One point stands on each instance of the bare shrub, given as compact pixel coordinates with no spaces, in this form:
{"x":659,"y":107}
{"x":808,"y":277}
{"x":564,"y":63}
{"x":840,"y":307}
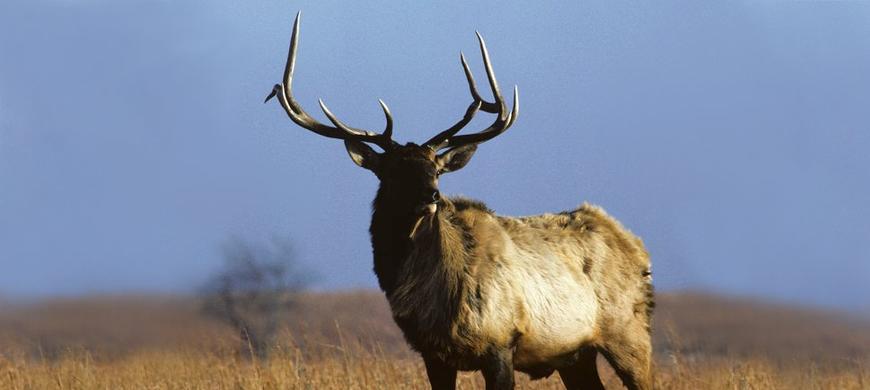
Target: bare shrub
{"x":254,"y":291}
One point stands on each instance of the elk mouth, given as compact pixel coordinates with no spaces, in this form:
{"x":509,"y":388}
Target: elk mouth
{"x":425,"y":212}
{"x":427,"y":209}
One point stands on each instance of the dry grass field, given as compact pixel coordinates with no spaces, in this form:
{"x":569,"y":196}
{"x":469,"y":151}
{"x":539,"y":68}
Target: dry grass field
{"x":347,"y":341}
{"x":366,"y":369}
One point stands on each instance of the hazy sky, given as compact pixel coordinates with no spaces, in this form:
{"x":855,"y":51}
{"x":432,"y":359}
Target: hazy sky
{"x":734,"y":137}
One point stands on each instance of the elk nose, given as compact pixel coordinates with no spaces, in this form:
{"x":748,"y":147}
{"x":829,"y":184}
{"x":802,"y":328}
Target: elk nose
{"x":436,"y":196}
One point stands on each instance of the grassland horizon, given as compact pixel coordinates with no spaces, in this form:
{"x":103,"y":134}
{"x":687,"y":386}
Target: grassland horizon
{"x":348,"y":340}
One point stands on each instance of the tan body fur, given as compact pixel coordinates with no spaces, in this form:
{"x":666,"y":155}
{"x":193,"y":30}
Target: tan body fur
{"x":543,"y":286}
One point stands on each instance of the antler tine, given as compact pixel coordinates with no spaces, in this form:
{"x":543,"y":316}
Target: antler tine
{"x":388,"y":131}
{"x":301,"y":118}
{"x":498,"y":106}
{"x":472,"y":86}
{"x":515,"y":110}
{"x":291,"y":54}
{"x":332,"y":118}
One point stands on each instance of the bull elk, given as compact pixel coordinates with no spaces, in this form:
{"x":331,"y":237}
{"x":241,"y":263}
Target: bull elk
{"x":473,"y":290}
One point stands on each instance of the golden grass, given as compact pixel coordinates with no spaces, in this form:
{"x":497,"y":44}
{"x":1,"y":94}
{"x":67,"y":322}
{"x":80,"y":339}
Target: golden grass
{"x":338,"y":367}
{"x":124,"y":342}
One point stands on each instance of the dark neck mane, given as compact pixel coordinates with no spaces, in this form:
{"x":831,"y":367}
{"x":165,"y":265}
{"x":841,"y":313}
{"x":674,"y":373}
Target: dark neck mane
{"x":390,"y":243}
{"x":446,"y":235}
{"x":423,"y":279}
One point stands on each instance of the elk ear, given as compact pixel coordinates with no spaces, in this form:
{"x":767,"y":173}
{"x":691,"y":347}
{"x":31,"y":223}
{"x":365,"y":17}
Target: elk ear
{"x":362,"y":154}
{"x":456,"y":158}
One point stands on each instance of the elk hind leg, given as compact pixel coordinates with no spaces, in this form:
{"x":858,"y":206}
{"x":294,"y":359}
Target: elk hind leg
{"x":630,"y":355}
{"x":584,"y":373}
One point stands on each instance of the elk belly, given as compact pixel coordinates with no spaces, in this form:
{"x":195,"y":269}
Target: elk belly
{"x":560,"y":309}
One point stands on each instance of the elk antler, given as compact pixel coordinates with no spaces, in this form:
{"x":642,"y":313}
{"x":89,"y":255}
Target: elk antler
{"x":301,"y":118}
{"x":503,"y":121}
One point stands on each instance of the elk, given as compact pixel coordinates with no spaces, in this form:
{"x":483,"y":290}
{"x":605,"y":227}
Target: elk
{"x":472,"y":290}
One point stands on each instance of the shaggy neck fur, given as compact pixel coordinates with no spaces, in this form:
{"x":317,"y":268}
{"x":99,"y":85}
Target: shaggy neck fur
{"x":422,"y":277}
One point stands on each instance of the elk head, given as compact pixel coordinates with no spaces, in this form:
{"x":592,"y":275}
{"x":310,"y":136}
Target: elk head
{"x":408,"y":173}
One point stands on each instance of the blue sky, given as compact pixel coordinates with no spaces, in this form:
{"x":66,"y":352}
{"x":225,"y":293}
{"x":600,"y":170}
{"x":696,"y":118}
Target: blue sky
{"x":732,"y":136}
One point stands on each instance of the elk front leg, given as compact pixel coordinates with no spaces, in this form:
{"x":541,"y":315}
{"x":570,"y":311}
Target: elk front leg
{"x":441,"y":376}
{"x":498,"y":371}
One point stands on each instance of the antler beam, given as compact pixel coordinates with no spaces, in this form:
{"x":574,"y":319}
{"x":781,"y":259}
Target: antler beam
{"x":300,"y":117}
{"x":504,"y":119}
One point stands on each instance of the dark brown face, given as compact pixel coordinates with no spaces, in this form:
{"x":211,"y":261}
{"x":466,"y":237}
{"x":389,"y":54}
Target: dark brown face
{"x":409,"y":174}
{"x":409,"y":179}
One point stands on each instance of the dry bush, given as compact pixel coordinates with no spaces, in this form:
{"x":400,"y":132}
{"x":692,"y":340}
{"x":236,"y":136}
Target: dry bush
{"x":254,"y":291}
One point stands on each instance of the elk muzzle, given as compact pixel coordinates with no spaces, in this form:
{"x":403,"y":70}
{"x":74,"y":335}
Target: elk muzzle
{"x":430,"y":200}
